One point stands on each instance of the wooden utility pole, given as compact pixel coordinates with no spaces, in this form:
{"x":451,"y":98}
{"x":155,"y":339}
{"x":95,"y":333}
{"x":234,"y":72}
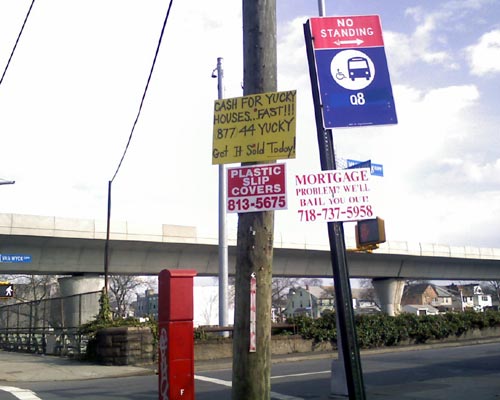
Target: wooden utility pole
{"x":252,"y":369}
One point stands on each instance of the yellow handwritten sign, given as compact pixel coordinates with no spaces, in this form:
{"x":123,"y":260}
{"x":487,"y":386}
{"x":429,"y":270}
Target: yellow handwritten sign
{"x":259,"y":127}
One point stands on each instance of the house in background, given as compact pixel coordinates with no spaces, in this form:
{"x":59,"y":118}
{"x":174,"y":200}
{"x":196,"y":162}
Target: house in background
{"x":429,"y":294}
{"x":470,"y":297}
{"x":365,"y":301}
{"x":147,"y":305}
{"x":326,"y":298}
{"x":421,"y":294}
{"x":365,"y":306}
{"x":448,"y":298}
{"x":205,"y":305}
{"x":420,"y":309}
{"x":311,"y":301}
{"x":444,"y":300}
{"x":420,"y":299}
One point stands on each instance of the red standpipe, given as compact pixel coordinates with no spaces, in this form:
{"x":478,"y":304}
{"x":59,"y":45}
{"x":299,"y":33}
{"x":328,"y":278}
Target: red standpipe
{"x":175,"y":331}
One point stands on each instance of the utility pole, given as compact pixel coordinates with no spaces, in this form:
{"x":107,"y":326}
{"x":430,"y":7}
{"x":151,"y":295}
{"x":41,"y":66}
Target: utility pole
{"x":251,"y":378}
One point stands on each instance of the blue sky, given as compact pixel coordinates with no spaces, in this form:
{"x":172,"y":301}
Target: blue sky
{"x":73,"y":88}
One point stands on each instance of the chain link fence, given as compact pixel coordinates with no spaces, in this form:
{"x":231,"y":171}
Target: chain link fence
{"x":48,"y":326}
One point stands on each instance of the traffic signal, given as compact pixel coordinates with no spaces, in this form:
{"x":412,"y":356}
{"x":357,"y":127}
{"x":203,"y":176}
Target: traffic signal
{"x":369,"y":233}
{"x":6,"y":290}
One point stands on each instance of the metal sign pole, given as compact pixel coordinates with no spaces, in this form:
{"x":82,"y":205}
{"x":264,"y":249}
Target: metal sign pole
{"x":223,"y":251}
{"x":338,"y":254}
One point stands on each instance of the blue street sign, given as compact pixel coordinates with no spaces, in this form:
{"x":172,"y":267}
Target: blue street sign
{"x":15,"y":258}
{"x":351,"y":164}
{"x":347,"y":106}
{"x":353,"y":76}
{"x":375,"y":169}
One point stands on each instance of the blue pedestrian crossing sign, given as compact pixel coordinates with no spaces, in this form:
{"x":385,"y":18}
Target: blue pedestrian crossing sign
{"x":351,"y":66}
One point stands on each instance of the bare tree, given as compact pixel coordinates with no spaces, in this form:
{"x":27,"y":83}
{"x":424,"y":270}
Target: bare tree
{"x":411,"y":282}
{"x":122,"y":288}
{"x":210,"y":305}
{"x":367,"y":291}
{"x":280,"y":290}
{"x":32,"y":287}
{"x":329,"y":290}
{"x":281,"y":287}
{"x":493,"y":288}
{"x":311,"y":282}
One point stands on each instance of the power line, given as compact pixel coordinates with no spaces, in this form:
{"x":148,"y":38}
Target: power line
{"x":17,"y":40}
{"x":145,"y":91}
{"x":106,"y":245}
{"x":6,"y":182}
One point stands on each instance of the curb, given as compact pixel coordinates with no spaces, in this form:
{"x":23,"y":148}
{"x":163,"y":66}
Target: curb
{"x":226,"y":363}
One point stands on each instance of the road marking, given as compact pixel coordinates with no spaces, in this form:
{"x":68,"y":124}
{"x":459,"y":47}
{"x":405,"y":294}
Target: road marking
{"x":274,"y":395}
{"x":213,"y":380}
{"x":21,"y":394}
{"x":301,"y":374}
{"x":284,"y":397}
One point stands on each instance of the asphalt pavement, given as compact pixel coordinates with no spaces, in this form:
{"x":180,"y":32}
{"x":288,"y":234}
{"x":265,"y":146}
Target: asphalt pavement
{"x":23,"y":367}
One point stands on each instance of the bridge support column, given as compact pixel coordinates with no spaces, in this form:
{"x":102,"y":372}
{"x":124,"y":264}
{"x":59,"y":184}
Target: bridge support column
{"x":79,"y":308}
{"x":389,"y":291}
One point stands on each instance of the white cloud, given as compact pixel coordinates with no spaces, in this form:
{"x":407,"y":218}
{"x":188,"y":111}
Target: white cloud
{"x":69,"y":113}
{"x":434,"y":38}
{"x":429,"y":120}
{"x":467,"y":173}
{"x":472,"y":217}
{"x":66,"y":117}
{"x":484,"y":56}
{"x":399,"y":49}
{"x":419,"y":45}
{"x":424,"y":157}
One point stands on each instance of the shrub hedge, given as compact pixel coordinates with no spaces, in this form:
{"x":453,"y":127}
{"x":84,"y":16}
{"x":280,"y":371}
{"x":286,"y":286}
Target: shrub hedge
{"x":373,"y":330}
{"x":378,"y":330}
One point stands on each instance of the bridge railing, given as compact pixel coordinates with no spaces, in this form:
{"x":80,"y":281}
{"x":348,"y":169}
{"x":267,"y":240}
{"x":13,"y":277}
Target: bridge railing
{"x":46,"y":326}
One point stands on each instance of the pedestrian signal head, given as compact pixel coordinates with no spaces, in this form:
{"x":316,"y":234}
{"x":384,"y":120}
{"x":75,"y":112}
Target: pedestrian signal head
{"x":369,"y":233}
{"x":6,"y":290}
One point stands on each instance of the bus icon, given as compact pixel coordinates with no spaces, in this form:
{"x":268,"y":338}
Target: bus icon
{"x":358,"y":68}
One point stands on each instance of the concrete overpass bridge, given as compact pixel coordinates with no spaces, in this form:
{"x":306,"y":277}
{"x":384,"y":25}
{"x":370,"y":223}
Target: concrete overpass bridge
{"x":75,"y":247}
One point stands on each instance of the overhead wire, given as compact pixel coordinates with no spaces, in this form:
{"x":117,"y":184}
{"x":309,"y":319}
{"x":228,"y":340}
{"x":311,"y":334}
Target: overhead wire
{"x":145,"y":91}
{"x":17,"y":41}
{"x":108,"y":228}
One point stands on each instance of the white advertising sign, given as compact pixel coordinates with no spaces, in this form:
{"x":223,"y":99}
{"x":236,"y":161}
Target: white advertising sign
{"x":334,"y":196}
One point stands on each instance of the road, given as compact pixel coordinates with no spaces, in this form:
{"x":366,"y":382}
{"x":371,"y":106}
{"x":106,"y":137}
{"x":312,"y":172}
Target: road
{"x":459,"y":373}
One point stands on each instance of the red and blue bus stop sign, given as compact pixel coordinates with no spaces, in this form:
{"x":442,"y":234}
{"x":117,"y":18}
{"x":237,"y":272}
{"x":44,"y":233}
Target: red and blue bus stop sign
{"x":353,"y":76}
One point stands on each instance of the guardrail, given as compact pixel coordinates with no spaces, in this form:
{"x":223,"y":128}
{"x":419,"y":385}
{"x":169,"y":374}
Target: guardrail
{"x":48,"y":326}
{"x":45,"y":340}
